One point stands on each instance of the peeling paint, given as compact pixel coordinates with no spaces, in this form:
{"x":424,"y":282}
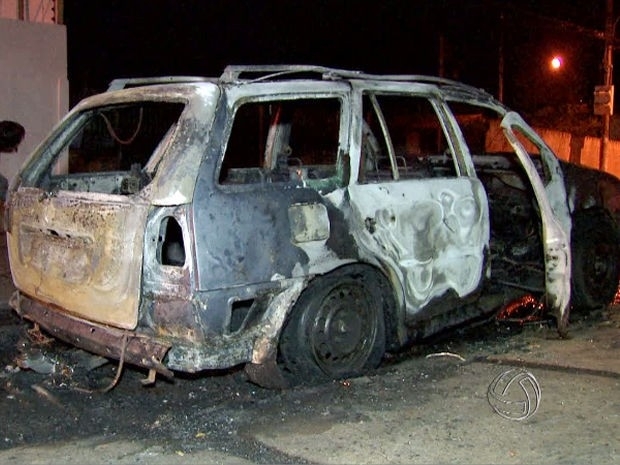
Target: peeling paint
{"x":436,"y":244}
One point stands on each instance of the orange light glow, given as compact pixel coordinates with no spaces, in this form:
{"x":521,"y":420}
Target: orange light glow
{"x":556,"y":63}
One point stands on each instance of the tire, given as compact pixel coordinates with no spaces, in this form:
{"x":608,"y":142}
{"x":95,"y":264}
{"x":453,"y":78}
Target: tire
{"x":335,"y":330}
{"x":596,"y":260}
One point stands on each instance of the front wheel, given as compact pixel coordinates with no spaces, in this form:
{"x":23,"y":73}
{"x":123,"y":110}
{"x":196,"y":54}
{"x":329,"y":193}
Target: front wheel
{"x":596,"y":260}
{"x":335,"y":330}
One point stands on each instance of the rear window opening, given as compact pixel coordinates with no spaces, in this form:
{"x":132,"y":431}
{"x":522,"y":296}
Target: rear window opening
{"x":111,"y":150}
{"x":170,"y":247}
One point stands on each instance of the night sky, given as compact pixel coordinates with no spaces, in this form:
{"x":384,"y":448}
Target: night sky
{"x":129,"y":38}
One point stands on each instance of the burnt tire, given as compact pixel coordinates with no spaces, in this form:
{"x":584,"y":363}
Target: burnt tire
{"x":335,"y":330}
{"x":596,"y":255}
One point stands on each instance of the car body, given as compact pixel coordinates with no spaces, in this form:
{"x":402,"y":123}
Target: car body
{"x":298,"y":220}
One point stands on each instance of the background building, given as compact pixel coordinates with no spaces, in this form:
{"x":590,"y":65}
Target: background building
{"x":34,"y":87}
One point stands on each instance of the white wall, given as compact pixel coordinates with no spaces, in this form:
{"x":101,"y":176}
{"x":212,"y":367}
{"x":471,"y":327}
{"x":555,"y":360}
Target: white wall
{"x":34,"y":89}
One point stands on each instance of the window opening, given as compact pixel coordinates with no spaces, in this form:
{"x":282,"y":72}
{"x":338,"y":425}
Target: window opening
{"x":109,"y":149}
{"x":402,"y":138}
{"x":487,"y":142}
{"x":284,"y":141}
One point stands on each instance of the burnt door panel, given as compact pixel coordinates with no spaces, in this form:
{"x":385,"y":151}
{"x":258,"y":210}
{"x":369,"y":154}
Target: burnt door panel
{"x":413,"y":209}
{"x":432,"y":232}
{"x":265,"y":217}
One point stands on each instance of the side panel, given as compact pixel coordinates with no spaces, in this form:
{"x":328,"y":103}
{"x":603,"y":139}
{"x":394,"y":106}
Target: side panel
{"x":260,"y":212}
{"x":79,"y":252}
{"x":433,"y":233}
{"x":247,"y":237}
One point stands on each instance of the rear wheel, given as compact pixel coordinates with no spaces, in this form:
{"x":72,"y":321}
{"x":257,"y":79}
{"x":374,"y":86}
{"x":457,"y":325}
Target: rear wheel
{"x":336,"y":329}
{"x":596,"y":256}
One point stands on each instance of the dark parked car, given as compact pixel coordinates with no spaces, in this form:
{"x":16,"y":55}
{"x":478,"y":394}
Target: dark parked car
{"x":299,"y":220}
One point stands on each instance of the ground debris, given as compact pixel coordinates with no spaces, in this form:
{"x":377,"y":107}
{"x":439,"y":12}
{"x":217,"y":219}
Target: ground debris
{"x":38,"y":362}
{"x":446,"y":354}
{"x":63,"y":366}
{"x":46,"y":394}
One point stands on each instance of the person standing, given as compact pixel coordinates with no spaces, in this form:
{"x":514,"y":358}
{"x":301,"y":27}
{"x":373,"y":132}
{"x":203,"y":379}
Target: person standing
{"x":11,"y":135}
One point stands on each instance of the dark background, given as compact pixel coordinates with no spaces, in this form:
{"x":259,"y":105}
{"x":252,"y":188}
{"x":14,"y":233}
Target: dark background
{"x":129,"y":38}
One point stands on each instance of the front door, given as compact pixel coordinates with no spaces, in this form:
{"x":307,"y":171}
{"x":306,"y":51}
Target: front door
{"x":534,"y":171}
{"x":550,"y":192}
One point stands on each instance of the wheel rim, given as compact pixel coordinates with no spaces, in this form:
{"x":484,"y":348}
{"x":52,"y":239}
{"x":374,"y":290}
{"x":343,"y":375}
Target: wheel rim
{"x":343,"y":330}
{"x":600,"y":268}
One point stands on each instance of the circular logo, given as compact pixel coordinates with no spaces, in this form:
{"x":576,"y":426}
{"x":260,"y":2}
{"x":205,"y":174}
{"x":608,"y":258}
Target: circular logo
{"x":514,"y":394}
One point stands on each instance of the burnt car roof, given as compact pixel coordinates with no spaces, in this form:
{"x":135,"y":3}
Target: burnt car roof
{"x":241,"y":74}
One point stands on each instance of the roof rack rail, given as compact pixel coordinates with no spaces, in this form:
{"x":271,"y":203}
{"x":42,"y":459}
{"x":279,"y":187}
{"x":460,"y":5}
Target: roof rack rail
{"x":257,"y":73}
{"x":424,"y":79}
{"x":123,"y":83}
{"x":266,"y":72}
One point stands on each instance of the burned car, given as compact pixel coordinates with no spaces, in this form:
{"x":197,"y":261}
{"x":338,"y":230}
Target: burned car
{"x":300,"y":221}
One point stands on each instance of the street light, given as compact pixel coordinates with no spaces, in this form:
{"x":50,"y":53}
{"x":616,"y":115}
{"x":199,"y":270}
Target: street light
{"x":556,"y":63}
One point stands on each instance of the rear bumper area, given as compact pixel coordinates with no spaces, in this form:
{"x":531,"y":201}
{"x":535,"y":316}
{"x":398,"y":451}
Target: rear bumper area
{"x":135,"y":349}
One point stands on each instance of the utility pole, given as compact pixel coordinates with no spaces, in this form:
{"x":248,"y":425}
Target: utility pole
{"x":608,"y":68}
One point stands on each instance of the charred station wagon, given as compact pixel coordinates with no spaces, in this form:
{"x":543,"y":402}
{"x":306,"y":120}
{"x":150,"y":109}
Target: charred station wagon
{"x":298,"y":220}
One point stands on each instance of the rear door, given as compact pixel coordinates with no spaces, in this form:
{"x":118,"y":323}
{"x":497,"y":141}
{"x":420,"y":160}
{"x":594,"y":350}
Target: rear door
{"x":416,"y":210}
{"x":78,"y":210}
{"x":264,"y":216}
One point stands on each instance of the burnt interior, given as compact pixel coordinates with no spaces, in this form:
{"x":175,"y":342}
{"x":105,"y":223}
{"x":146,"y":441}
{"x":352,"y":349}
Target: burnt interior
{"x":515,"y":252}
{"x":516,"y":238}
{"x":109,"y":150}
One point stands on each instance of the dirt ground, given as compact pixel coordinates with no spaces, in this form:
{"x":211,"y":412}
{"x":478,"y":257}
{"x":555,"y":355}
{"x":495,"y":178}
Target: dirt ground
{"x":429,"y":405}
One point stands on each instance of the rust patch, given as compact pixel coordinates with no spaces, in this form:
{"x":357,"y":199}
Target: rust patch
{"x":176,"y":318}
{"x":140,"y":350}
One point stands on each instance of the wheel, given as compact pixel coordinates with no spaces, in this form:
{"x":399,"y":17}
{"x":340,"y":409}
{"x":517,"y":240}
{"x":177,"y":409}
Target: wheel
{"x":335,"y":330}
{"x":596,"y":257}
